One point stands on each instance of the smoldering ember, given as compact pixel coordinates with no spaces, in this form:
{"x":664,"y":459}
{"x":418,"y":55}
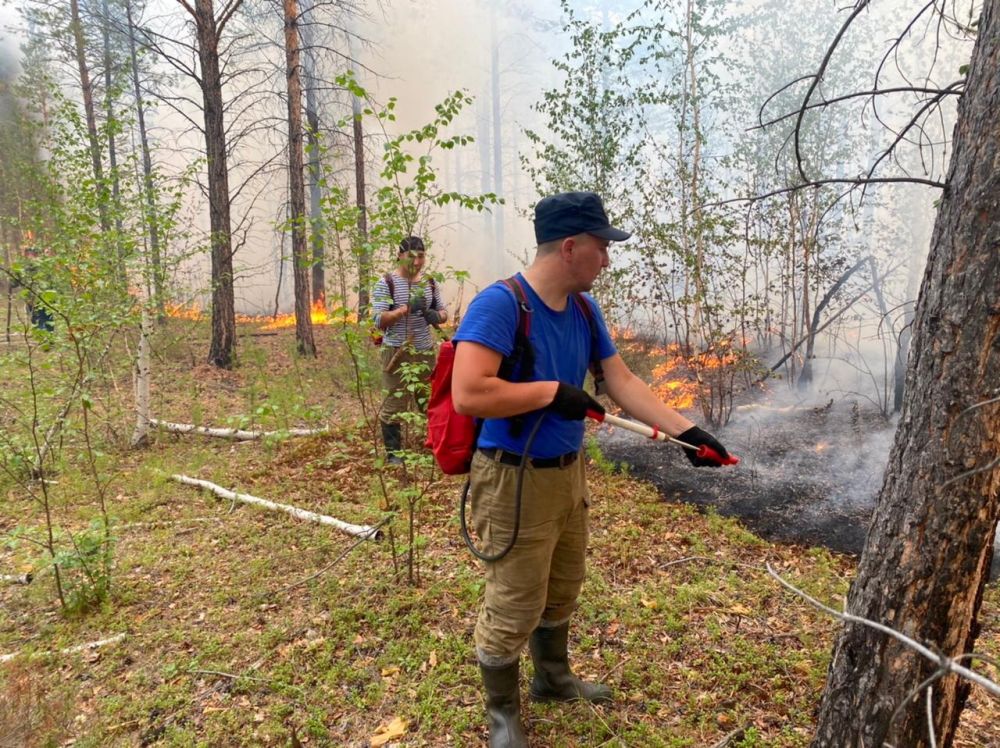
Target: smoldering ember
{"x":453,"y":373}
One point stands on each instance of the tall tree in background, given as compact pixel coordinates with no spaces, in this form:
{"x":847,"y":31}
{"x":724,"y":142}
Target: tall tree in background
{"x":209,"y":27}
{"x":928,"y":551}
{"x":314,"y":167}
{"x":87,"y":88}
{"x":296,"y":179}
{"x":362,"y":249}
{"x":150,"y":215}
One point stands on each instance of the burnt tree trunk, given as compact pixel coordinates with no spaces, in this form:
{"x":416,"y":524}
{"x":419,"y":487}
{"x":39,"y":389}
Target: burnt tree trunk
{"x":209,"y":29}
{"x":296,"y":184}
{"x":928,"y":551}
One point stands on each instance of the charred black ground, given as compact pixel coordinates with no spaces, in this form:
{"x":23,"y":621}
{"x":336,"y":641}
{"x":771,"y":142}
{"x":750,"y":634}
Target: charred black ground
{"x":807,"y":474}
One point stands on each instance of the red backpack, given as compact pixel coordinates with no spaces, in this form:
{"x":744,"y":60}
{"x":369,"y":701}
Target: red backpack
{"x":451,"y":436}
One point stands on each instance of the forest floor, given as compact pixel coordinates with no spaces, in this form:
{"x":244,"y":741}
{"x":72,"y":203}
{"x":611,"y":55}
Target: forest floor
{"x":248,"y":627}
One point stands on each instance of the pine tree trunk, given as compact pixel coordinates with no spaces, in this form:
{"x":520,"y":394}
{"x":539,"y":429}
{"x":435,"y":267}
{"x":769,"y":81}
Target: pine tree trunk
{"x":221,"y":349}
{"x":314,"y":166}
{"x":87,"y":87}
{"x":109,"y":110}
{"x":928,"y":551}
{"x":297,"y":191}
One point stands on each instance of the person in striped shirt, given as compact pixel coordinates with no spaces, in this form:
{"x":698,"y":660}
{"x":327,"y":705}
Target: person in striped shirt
{"x":405,"y":304}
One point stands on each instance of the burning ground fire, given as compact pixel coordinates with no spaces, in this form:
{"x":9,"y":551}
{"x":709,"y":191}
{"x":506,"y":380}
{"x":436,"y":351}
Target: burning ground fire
{"x":318,"y":314}
{"x":680,"y":380}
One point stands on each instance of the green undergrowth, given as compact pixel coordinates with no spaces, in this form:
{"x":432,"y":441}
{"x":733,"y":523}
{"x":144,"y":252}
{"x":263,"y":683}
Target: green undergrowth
{"x":248,"y":627}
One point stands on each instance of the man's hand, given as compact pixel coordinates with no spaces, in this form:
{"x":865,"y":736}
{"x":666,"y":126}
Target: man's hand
{"x":417,"y":304}
{"x":696,"y":437}
{"x":573,"y":403}
{"x":433,"y":316}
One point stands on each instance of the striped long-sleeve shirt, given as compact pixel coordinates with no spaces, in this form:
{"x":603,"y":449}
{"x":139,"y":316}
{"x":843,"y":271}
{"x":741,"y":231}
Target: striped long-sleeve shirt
{"x":411,"y":326}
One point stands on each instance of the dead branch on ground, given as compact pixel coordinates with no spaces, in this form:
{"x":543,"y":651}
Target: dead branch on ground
{"x":366,"y":531}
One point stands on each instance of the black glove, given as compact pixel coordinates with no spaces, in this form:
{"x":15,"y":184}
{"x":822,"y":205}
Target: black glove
{"x":573,"y":403}
{"x":696,"y":437}
{"x":433,"y":316}
{"x":417,"y":304}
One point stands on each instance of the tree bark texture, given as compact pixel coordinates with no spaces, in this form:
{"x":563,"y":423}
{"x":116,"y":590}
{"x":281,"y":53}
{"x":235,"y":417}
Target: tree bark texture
{"x":929,"y":547}
{"x":314,"y":165}
{"x":109,"y":108}
{"x":296,"y":185}
{"x":87,"y":88}
{"x":149,"y":198}
{"x":223,"y":343}
{"x":364,"y":255}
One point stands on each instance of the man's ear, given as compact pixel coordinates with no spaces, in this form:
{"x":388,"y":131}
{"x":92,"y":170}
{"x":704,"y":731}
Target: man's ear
{"x":567,"y":245}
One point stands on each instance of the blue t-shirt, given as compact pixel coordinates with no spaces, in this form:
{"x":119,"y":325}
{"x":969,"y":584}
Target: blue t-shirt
{"x":561,"y":343}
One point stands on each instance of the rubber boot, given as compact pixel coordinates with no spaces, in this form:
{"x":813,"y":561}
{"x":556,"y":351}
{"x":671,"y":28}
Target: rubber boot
{"x":554,"y":681}
{"x":392,"y":438}
{"x":503,"y":705}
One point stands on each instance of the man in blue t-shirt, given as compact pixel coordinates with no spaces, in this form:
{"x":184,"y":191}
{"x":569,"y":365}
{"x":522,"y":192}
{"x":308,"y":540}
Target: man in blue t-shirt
{"x":531,"y":592}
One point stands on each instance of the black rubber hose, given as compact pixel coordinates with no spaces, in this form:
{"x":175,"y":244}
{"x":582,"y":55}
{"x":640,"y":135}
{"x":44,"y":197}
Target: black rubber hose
{"x":517,"y":503}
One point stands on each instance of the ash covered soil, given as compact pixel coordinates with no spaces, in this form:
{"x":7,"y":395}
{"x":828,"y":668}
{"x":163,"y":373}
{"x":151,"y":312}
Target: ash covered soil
{"x":808,"y":474}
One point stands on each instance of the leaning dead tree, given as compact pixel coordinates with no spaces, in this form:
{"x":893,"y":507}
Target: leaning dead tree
{"x":928,"y":551}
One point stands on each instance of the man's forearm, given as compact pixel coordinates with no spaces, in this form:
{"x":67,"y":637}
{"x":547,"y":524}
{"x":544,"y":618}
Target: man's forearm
{"x":639,"y":401}
{"x":494,"y":397}
{"x":391,"y":316}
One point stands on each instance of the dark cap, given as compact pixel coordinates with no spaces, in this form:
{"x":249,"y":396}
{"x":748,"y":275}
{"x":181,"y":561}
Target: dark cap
{"x":571,"y":213}
{"x":411,"y":244}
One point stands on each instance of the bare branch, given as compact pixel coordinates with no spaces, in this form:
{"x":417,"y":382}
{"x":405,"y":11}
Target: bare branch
{"x":817,"y":77}
{"x":948,"y":664}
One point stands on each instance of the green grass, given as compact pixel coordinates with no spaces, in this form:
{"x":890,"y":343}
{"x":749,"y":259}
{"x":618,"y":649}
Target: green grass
{"x":677,"y":614}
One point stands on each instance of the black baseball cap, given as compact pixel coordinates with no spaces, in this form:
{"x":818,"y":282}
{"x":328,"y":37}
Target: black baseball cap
{"x":411,"y":244}
{"x":571,"y":213}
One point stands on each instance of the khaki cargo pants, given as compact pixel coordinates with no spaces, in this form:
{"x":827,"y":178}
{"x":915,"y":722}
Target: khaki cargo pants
{"x":397,"y":399}
{"x":540,"y":579}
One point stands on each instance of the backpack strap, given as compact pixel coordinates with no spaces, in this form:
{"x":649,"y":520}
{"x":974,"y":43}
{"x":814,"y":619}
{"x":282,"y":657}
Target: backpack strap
{"x":392,"y":290}
{"x":596,"y":370}
{"x":522,"y":359}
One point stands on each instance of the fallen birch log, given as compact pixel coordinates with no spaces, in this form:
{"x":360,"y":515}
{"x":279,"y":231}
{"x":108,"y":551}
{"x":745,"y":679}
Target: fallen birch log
{"x":364,"y":531}
{"x":69,"y":650}
{"x":16,"y":578}
{"x":237,"y":434}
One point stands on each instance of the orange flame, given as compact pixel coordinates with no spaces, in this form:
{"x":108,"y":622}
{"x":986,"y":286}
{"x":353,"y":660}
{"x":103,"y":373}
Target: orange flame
{"x":180,"y":311}
{"x":317,"y":314}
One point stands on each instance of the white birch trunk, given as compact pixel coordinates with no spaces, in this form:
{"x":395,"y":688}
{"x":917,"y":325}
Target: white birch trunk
{"x":237,"y":434}
{"x":141,"y":434}
{"x":366,"y":531}
{"x":69,"y":650}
